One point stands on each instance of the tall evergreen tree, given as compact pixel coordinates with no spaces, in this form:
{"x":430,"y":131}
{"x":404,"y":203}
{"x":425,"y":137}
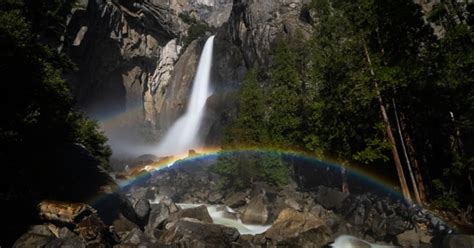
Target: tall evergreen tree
{"x":285,"y":98}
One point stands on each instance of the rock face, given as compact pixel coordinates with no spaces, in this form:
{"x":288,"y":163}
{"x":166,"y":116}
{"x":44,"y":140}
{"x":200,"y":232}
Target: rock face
{"x":193,"y":233}
{"x":299,"y":229}
{"x":256,"y":211}
{"x":199,"y":213}
{"x":330,"y":198}
{"x":245,"y":42}
{"x":131,"y":59}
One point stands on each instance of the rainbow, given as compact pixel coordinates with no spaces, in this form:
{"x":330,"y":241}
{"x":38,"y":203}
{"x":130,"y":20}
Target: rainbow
{"x":144,"y":172}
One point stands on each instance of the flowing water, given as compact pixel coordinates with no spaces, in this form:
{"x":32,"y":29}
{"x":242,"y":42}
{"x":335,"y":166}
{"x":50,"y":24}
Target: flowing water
{"x":183,"y":134}
{"x":226,"y":216}
{"x":347,"y":241}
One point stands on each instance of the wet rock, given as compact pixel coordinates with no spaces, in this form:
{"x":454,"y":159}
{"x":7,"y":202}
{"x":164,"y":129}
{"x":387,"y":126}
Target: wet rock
{"x":199,"y":213}
{"x":236,"y":200}
{"x":193,"y":233}
{"x":347,"y":241}
{"x":330,"y":198}
{"x":256,"y":211}
{"x":295,"y":228}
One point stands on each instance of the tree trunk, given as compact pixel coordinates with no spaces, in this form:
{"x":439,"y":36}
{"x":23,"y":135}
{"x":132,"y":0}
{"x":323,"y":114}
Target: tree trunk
{"x":391,"y":139}
{"x":414,"y":162}
{"x":402,"y":142}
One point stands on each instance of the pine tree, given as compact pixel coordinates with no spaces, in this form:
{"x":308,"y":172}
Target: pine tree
{"x":285,"y":98}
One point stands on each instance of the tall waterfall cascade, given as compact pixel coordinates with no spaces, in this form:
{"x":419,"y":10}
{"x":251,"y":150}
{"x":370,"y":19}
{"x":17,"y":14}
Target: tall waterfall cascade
{"x":183,"y":134}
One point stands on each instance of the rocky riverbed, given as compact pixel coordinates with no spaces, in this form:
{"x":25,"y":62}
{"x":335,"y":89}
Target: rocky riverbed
{"x":183,"y":206}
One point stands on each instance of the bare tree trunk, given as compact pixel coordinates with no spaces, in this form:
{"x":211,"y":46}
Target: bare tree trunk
{"x":402,"y":141}
{"x":391,"y":139}
{"x":415,"y":165}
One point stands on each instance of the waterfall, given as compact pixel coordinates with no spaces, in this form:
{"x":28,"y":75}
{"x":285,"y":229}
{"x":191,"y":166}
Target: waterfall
{"x":183,"y":134}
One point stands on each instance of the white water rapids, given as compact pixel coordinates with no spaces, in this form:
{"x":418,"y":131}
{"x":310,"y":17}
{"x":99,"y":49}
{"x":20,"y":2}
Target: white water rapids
{"x":226,"y":216}
{"x":183,"y":134}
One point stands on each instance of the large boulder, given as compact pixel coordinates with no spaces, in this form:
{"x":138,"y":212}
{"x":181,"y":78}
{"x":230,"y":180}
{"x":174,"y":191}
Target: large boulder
{"x":158,"y":214}
{"x":118,"y":211}
{"x":198,"y":213}
{"x":408,"y":238}
{"x":67,"y":238}
{"x":299,"y":229}
{"x":236,"y":200}
{"x":256,"y":211}
{"x":214,"y":197}
{"x":330,"y":198}
{"x":194,"y":233}
{"x":135,"y":238}
{"x":142,"y":209}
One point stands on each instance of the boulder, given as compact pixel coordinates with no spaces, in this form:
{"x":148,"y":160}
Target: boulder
{"x":37,"y":236}
{"x":295,"y":228}
{"x":330,"y":198}
{"x":142,"y":209}
{"x":408,"y":238}
{"x":67,"y":238}
{"x":194,"y":233}
{"x":116,"y":210}
{"x":32,"y":240}
{"x":292,"y":203}
{"x":158,"y":214}
{"x":236,"y":200}
{"x":214,"y":197}
{"x":136,"y":237}
{"x":256,"y":211}
{"x":198,"y":213}
{"x":146,"y":193}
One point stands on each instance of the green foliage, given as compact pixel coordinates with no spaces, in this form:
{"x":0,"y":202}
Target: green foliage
{"x":87,"y":133}
{"x":196,"y":31}
{"x":250,"y":127}
{"x":285,"y":98}
{"x":187,"y":18}
{"x":39,"y":123}
{"x":240,"y":169}
{"x":319,"y":95}
{"x":37,"y":106}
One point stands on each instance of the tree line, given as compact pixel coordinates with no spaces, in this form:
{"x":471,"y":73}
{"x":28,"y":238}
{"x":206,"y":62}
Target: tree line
{"x":375,"y":85}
